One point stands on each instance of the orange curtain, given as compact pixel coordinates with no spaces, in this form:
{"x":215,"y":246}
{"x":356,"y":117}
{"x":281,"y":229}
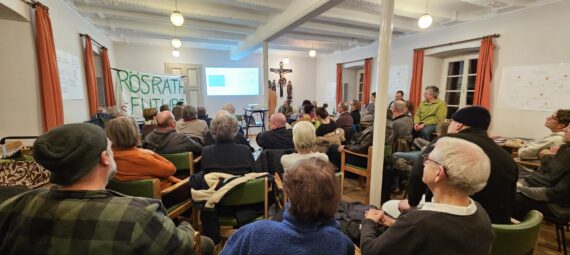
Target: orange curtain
{"x":417,"y":72}
{"x":366,"y":85}
{"x":484,"y":73}
{"x":338,"y":84}
{"x":52,"y":108}
{"x":90,"y":77}
{"x":109,"y":92}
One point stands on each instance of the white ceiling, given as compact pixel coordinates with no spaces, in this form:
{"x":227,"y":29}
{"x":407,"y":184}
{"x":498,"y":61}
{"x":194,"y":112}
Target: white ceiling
{"x":295,"y":25}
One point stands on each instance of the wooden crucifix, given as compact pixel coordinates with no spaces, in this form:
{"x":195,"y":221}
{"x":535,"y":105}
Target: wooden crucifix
{"x":282,"y":81}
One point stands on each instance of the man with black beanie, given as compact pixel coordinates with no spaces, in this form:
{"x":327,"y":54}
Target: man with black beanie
{"x":78,"y":215}
{"x":471,"y":123}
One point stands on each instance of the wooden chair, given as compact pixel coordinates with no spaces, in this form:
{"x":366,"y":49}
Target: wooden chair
{"x":197,"y":243}
{"x":184,"y":162}
{"x":517,"y":239}
{"x":255,"y":191}
{"x":150,"y":188}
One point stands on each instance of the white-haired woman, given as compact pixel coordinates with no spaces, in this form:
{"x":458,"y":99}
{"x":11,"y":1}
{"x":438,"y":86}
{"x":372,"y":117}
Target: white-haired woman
{"x":304,"y":139}
{"x":452,"y":223}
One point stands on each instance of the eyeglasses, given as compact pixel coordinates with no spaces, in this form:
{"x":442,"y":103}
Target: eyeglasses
{"x":426,"y":158}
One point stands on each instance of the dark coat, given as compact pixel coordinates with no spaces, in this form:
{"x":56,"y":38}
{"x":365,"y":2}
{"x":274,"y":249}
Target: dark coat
{"x":499,"y":194}
{"x":355,"y":117}
{"x":168,"y":141}
{"x":554,"y":177}
{"x":227,"y":158}
{"x":279,"y":138}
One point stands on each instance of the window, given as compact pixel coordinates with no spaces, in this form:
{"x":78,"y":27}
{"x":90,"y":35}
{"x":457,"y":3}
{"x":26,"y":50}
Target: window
{"x":99,"y":80}
{"x":360,"y":84}
{"x":459,"y":79}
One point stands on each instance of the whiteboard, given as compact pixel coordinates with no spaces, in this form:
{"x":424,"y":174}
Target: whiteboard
{"x":535,"y":88}
{"x":398,"y":80}
{"x":69,"y":76}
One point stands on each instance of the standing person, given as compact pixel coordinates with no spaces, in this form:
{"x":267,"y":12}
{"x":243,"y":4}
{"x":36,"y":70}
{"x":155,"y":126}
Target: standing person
{"x":78,"y":215}
{"x":355,"y":112}
{"x":452,"y":223}
{"x":430,"y":112}
{"x":308,"y":225}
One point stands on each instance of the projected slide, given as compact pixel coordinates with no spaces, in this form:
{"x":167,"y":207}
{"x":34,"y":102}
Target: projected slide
{"x":232,"y":81}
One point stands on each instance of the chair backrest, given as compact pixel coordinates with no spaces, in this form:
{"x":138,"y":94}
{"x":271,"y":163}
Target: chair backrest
{"x":251,"y":192}
{"x":141,"y":188}
{"x":270,"y":160}
{"x":182,"y":161}
{"x":519,"y":238}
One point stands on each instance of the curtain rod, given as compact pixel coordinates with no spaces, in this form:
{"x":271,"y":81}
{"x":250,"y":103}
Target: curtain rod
{"x":93,"y":40}
{"x":464,"y":41}
{"x":355,"y":61}
{"x":117,"y":69}
{"x":34,"y":3}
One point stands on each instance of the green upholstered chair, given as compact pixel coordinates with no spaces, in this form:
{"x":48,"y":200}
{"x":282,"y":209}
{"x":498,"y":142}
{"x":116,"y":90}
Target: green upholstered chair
{"x":184,"y":162}
{"x":150,"y":188}
{"x":255,"y":191}
{"x":364,"y":172}
{"x":520,"y":238}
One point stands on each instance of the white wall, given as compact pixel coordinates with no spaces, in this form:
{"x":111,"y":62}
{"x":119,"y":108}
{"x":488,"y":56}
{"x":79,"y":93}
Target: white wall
{"x":20,"y":102}
{"x":528,"y":37}
{"x":151,"y":59}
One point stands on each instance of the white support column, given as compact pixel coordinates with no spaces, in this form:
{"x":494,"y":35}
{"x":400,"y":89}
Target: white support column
{"x":383,"y":67}
{"x":265,"y":79}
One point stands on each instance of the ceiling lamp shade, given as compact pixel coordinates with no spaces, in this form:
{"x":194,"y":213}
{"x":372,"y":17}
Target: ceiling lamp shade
{"x":425,"y":21}
{"x":312,"y":53}
{"x":176,"y":18}
{"x":176,"y":43}
{"x":286,"y":60}
{"x":176,"y":53}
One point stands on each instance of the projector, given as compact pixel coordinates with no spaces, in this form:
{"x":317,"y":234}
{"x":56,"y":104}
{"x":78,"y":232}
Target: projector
{"x":254,"y":106}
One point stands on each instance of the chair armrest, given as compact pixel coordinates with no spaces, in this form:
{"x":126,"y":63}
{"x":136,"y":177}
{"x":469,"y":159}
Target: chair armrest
{"x":278,"y":182}
{"x":355,"y":154}
{"x":175,"y":186}
{"x":196,"y":160}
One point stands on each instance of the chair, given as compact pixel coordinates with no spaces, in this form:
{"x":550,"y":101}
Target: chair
{"x":518,"y":238}
{"x":560,"y":223}
{"x":150,"y":188}
{"x":249,"y":193}
{"x":184,"y":162}
{"x":269,"y":160}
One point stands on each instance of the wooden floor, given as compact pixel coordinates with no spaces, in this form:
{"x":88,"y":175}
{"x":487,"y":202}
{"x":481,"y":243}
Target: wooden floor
{"x":354,"y":191}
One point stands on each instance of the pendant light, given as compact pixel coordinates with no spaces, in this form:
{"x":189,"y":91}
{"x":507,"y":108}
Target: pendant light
{"x":176,"y":17}
{"x":312,"y":53}
{"x":425,"y":20}
{"x":176,"y":43}
{"x":176,"y":53}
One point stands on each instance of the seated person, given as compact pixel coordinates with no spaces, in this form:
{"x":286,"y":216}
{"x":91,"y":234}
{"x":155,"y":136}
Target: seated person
{"x":547,"y":189}
{"x":134,"y":163}
{"x":191,"y":126}
{"x":324,"y":124}
{"x":441,"y":131}
{"x":556,"y":122}
{"x":308,"y":227}
{"x":226,"y":156}
{"x":48,"y":221}
{"x":278,"y":137}
{"x":430,"y":112}
{"x":178,"y":112}
{"x":399,"y":96}
{"x":402,"y":124}
{"x":368,"y":111}
{"x":452,"y":223}
{"x":304,"y":140}
{"x":149,"y":115}
{"x":164,"y":107}
{"x":344,"y":120}
{"x":202,"y":115}
{"x":355,"y":111}
{"x":286,"y":109}
{"x":232,"y":110}
{"x":165,"y":139}
{"x":307,"y":113}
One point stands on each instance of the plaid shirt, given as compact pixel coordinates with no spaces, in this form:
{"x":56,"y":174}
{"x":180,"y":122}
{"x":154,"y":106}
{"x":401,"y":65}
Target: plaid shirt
{"x":89,"y":222}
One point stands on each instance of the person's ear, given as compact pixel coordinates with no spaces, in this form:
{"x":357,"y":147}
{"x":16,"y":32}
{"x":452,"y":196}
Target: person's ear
{"x":440,"y":175}
{"x":105,"y":158}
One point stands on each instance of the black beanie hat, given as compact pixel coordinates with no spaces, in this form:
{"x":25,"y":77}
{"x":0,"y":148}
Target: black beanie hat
{"x":473,"y":116}
{"x":70,"y":151}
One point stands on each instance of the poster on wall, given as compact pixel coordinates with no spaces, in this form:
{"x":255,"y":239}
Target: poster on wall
{"x":535,"y":88}
{"x":398,"y":81}
{"x":69,"y":76}
{"x":144,"y":90}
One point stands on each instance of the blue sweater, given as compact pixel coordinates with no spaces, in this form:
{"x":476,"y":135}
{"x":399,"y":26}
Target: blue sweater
{"x":291,"y":236}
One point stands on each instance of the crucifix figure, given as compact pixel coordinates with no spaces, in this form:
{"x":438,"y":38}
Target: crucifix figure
{"x":282,"y":80}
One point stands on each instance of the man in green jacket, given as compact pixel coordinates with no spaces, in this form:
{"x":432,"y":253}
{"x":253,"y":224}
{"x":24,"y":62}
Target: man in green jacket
{"x":78,"y":215}
{"x":430,"y":112}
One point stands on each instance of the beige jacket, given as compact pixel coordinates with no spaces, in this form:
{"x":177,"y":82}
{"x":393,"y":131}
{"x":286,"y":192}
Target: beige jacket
{"x":212,"y":196}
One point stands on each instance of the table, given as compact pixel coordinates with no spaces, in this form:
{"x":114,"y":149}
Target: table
{"x":249,"y":115}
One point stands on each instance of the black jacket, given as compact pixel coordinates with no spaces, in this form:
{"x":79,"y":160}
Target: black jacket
{"x":279,"y":138}
{"x":499,"y":194}
{"x":227,"y":158}
{"x":355,"y":117}
{"x":168,"y":141}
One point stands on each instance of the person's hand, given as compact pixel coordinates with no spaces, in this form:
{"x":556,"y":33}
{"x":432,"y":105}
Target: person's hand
{"x":340,"y":148}
{"x":374,"y":215}
{"x":387,"y":220}
{"x":173,"y":179}
{"x":404,"y":206}
{"x":418,"y":127}
{"x":554,"y":149}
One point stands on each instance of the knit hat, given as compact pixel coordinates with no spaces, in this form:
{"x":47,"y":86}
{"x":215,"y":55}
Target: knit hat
{"x":473,"y":116}
{"x":70,"y":151}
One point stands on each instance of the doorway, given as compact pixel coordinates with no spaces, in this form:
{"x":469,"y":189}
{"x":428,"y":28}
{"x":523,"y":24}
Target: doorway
{"x":192,"y":77}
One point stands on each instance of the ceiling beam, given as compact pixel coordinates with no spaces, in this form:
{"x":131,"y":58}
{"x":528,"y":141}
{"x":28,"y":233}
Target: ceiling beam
{"x":165,"y":39}
{"x":328,"y":29}
{"x":153,"y":18}
{"x":298,"y":12}
{"x":256,"y":5}
{"x":360,"y":18}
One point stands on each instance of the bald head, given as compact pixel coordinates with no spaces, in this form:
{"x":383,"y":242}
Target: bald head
{"x":277,"y":120}
{"x":165,"y":119}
